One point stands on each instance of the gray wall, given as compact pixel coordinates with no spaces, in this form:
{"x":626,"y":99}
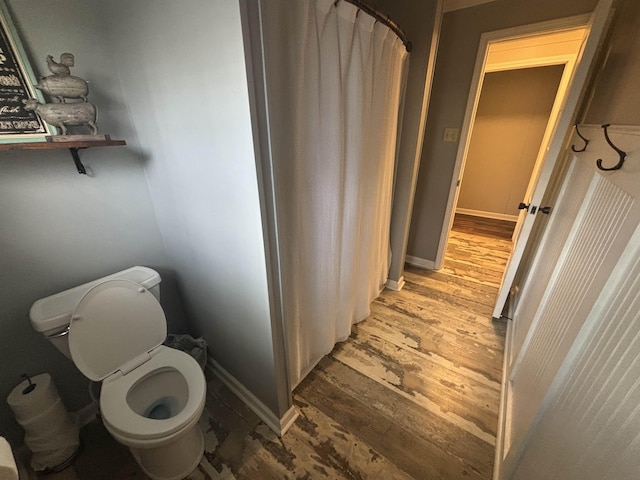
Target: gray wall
{"x":512,"y":116}
{"x":182,"y":68}
{"x":616,"y":96}
{"x":458,"y":47}
{"x":418,"y":20}
{"x":171,"y":81}
{"x":59,"y":229}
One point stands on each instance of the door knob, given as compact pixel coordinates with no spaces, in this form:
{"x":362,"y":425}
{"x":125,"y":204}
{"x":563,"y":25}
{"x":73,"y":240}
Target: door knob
{"x":545,"y":210}
{"x":523,"y":206}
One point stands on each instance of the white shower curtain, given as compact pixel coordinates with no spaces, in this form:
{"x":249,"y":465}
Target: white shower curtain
{"x":337,"y":81}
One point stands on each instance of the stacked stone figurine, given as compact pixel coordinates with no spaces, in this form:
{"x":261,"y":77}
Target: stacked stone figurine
{"x":63,"y":86}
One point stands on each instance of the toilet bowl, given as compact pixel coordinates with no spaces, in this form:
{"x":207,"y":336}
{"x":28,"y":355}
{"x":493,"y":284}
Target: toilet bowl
{"x":154,"y":410}
{"x":152,"y":396}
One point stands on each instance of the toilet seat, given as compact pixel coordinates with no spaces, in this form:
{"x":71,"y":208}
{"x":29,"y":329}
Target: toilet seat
{"x":114,"y":326}
{"x":122,"y":420}
{"x":115,"y":336}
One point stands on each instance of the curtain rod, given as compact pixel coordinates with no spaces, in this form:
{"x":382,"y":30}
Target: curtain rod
{"x":383,"y":18}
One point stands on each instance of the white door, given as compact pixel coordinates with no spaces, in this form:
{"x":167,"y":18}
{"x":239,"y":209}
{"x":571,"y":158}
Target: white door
{"x":581,"y":247}
{"x":557,"y":144}
{"x":590,"y":429}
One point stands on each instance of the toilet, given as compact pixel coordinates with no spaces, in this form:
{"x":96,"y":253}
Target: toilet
{"x":152,"y":396}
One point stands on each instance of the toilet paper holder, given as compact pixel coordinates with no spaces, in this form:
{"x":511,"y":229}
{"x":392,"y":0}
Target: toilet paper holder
{"x":29,"y":388}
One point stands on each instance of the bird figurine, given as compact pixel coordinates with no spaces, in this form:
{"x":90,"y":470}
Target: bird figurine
{"x":61,"y":68}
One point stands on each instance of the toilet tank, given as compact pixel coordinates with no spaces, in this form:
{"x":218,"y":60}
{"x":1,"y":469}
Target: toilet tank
{"x":51,"y":315}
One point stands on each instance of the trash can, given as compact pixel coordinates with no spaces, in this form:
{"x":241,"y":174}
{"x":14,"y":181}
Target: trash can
{"x":196,"y":347}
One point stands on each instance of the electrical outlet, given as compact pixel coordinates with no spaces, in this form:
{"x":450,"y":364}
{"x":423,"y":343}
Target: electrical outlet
{"x":450,"y":134}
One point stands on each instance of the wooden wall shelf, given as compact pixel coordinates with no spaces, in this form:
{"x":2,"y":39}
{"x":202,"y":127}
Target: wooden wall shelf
{"x":73,"y":146}
{"x":57,"y":145}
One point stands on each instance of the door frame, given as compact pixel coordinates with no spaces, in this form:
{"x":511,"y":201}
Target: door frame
{"x":474,"y":98}
{"x":569,"y":62}
{"x":599,"y":23}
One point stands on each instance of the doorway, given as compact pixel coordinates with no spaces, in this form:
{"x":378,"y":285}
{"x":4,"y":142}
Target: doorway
{"x":512,"y":59}
{"x":512,"y":116}
{"x":513,"y":113}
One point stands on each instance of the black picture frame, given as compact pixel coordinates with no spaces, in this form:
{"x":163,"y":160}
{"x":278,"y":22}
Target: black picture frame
{"x":17,"y":82}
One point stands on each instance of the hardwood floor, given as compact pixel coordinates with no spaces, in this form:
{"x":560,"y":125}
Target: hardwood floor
{"x":419,"y":380}
{"x":478,"y":249}
{"x":413,"y":393}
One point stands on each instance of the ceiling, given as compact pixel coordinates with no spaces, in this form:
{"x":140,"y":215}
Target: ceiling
{"x":451,"y":5}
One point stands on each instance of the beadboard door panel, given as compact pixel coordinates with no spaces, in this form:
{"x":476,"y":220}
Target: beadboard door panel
{"x":590,"y":234}
{"x":595,"y":411}
{"x":602,"y":229}
{"x":570,"y":199}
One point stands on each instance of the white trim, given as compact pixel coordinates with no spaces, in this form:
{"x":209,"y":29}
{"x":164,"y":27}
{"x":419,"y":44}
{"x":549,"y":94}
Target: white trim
{"x":396,"y":286}
{"x":278,"y":425}
{"x":621,"y":129}
{"x":251,"y":14}
{"x":504,"y":396}
{"x":554,"y":116}
{"x":483,"y":214}
{"x":402,"y":210}
{"x":287,"y":420}
{"x":453,"y":5}
{"x":598,"y":25}
{"x":530,"y":63}
{"x":472,"y":105}
{"x":421,"y":262}
{"x":555,"y":141}
{"x":533,"y":29}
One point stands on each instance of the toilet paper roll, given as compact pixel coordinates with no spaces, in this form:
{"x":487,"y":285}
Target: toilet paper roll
{"x":49,"y":432}
{"x":27,"y":405}
{"x":8,"y":467}
{"x":54,"y":460}
{"x":67,"y":434}
{"x":46,"y":421}
{"x":51,"y":452}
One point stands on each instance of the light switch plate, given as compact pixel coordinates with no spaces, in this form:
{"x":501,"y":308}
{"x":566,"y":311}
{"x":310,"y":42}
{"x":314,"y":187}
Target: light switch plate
{"x":450,"y":134}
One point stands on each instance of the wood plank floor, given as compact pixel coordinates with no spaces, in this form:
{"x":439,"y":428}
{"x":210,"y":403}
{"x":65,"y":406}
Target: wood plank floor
{"x":413,"y":393}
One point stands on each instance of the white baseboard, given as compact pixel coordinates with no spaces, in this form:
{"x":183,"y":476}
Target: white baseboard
{"x":420,"y":262}
{"x":396,"y":286}
{"x":278,"y":425}
{"x":480,"y":213}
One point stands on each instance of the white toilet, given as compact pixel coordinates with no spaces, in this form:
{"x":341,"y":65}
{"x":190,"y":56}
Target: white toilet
{"x":152,"y":395}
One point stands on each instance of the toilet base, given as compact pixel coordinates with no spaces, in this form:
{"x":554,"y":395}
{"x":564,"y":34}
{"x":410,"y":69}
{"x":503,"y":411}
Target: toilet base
{"x":175,"y":460}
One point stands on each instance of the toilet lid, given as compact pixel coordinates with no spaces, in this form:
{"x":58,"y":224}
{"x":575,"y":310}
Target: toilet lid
{"x":114,"y":325}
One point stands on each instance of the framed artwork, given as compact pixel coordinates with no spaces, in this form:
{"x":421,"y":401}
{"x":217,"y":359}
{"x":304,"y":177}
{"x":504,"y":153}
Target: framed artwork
{"x":16,"y":84}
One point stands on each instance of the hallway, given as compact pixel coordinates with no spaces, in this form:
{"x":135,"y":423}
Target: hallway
{"x":413,"y":393}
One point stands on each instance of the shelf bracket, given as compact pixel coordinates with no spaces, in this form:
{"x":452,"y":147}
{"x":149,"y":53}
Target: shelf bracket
{"x":76,"y":160}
